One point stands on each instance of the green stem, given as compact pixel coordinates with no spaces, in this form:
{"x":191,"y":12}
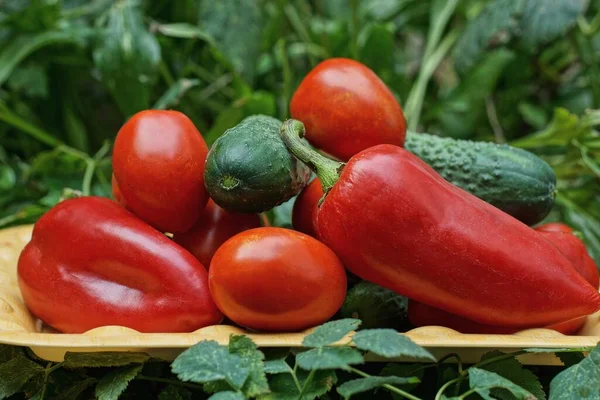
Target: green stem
{"x":328,"y":170}
{"x":354,"y":44}
{"x":467,"y":393}
{"x":309,"y":378}
{"x":47,"y":372}
{"x":170,"y":382}
{"x":295,"y":378}
{"x":446,"y":385}
{"x":16,"y":121}
{"x":389,"y":387}
{"x":288,"y":80}
{"x":496,"y":359}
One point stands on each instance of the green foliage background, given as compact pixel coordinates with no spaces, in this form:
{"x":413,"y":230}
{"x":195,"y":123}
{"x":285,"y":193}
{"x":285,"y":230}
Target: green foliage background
{"x":525,"y":72}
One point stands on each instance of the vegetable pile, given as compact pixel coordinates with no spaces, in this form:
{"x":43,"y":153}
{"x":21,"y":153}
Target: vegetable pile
{"x":383,"y":214}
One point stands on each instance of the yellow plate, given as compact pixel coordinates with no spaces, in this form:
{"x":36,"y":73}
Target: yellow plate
{"x":19,"y":327}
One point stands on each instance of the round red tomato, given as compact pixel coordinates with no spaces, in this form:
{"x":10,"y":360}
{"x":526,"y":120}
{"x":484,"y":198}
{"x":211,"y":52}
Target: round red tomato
{"x":346,"y":108}
{"x":275,"y":279}
{"x":305,"y":206}
{"x":554,"y":227}
{"x":158,"y":162}
{"x":213,"y":228}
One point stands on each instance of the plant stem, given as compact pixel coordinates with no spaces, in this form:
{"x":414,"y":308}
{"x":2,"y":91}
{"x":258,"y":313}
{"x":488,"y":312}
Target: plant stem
{"x":309,"y":378}
{"x":16,"y":121}
{"x":287,"y":77}
{"x":170,"y":382}
{"x":493,"y":118}
{"x":496,"y":359}
{"x":295,"y":378}
{"x":389,"y":387}
{"x":328,"y":170}
{"x":47,"y":372}
{"x":446,"y":385}
{"x":354,"y":43}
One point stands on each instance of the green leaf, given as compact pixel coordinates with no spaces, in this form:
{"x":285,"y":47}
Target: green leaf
{"x":329,"y":358}
{"x":128,"y":57}
{"x":103,"y":359}
{"x":15,"y":373}
{"x":563,"y":128}
{"x":228,"y":395}
{"x":172,"y":392}
{"x":252,"y":359}
{"x":581,"y":381}
{"x":350,"y":388}
{"x":375,"y":306}
{"x":377,"y":47}
{"x":544,"y":20}
{"x":7,"y":352}
{"x":283,"y":386}
{"x":498,"y":18}
{"x":570,"y":359}
{"x":208,"y":361}
{"x":236,"y":28}
{"x":482,"y":382}
{"x":404,"y":371}
{"x":30,"y":80}
{"x":330,"y":332}
{"x":277,"y":367}
{"x":511,"y":369}
{"x":113,"y":384}
{"x":184,"y":31}
{"x":175,"y":93}
{"x":389,"y":343}
{"x":73,"y":392}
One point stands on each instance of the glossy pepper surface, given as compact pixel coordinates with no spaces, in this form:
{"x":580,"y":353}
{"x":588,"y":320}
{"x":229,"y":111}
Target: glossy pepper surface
{"x":276,"y":279}
{"x":346,"y":109}
{"x":395,"y":222}
{"x":158,"y":164}
{"x":214,"y":227}
{"x":91,"y":263}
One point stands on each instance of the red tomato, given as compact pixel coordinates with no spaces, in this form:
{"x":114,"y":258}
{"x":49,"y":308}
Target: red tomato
{"x":276,"y":279}
{"x":304,"y":208}
{"x":116,"y":192}
{"x":346,"y":108}
{"x":158,"y":161}
{"x":554,"y":227}
{"x":213,"y":228}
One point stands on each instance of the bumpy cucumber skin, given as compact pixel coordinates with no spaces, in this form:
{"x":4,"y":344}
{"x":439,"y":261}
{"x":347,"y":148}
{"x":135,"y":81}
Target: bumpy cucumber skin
{"x":249,"y":169}
{"x":514,"y":180}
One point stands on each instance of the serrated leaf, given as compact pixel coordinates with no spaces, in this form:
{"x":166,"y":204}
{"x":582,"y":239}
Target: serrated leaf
{"x":15,"y":373}
{"x":208,"y":361}
{"x":73,"y":392}
{"x":236,"y":28}
{"x":113,"y":384}
{"x":497,"y":17}
{"x":283,"y":386}
{"x":330,"y":332}
{"x":350,"y":388}
{"x":544,"y":20}
{"x":276,"y":367}
{"x":172,"y":392}
{"x":482,"y":382}
{"x":103,"y":359}
{"x":227,"y":395}
{"x":511,"y":369}
{"x":252,"y":359}
{"x":389,"y":343}
{"x":581,"y":381}
{"x":329,"y":358}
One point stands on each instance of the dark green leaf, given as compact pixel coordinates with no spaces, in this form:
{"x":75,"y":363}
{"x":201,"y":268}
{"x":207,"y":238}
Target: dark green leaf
{"x":252,"y":359}
{"x":208,"y":361}
{"x":482,"y":382}
{"x":7,"y":352}
{"x":103,"y":359}
{"x":172,"y":392}
{"x":128,"y":57}
{"x":377,"y":47}
{"x":173,"y":95}
{"x":236,"y":27}
{"x":73,"y":392}
{"x":350,"y":388}
{"x":283,"y":386}
{"x":113,"y":384}
{"x":227,"y":396}
{"x":404,"y":371}
{"x":581,"y":381}
{"x":570,"y":359}
{"x":544,"y":20}
{"x":389,"y":343}
{"x":30,"y":80}
{"x":330,"y":332}
{"x":15,"y":373}
{"x":511,"y":369}
{"x":329,"y":358}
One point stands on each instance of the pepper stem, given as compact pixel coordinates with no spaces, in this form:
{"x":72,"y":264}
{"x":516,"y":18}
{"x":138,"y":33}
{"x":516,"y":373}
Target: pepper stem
{"x":327,"y":170}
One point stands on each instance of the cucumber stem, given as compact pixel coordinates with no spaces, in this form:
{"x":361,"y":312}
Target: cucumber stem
{"x":327,"y":170}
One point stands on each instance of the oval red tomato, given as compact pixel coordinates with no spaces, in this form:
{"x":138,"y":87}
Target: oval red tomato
{"x":158,"y":162}
{"x":275,"y":279}
{"x":346,"y":108}
{"x":213,"y":228}
{"x":305,"y":206}
{"x":554,"y":227}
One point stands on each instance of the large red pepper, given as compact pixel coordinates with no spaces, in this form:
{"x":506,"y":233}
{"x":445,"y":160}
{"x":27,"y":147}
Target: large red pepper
{"x":91,"y":263}
{"x":569,"y":245}
{"x":395,"y":222}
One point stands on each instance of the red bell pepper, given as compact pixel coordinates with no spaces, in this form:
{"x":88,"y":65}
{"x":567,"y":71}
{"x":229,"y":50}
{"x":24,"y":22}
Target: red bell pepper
{"x":395,"y":222}
{"x":91,"y":263}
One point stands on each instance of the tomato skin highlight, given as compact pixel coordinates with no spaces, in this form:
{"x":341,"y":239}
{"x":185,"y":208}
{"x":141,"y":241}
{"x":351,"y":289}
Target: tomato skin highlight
{"x":275,"y":279}
{"x":554,"y":227}
{"x":91,"y":263}
{"x":214,"y":227}
{"x":346,"y":108}
{"x":305,"y":208}
{"x":158,"y":162}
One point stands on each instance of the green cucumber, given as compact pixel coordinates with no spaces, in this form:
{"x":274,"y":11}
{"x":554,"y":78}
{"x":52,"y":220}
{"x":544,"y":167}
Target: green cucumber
{"x":513,"y":180}
{"x":249,"y":169}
